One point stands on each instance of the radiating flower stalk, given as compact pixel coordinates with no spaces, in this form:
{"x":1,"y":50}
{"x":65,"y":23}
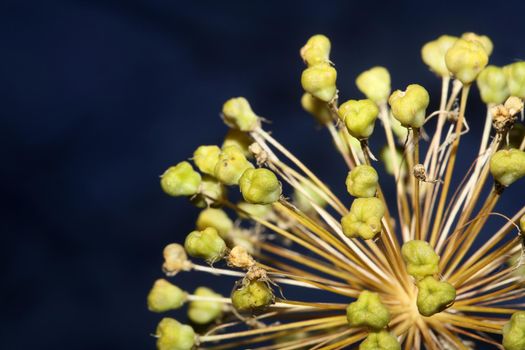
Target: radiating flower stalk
{"x":420,"y":271}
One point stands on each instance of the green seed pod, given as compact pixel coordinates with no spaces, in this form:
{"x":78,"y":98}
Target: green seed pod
{"x":409,"y":106}
{"x":205,"y":244}
{"x":203,"y":312}
{"x":514,"y":332}
{"x":319,"y":81}
{"x":466,"y":59}
{"x":238,"y":114}
{"x":252,"y":296}
{"x":433,"y":54}
{"x":492,"y":84}
{"x":434,"y":296}
{"x":211,"y":192}
{"x":260,"y":186}
{"x":165,"y":296}
{"x":317,"y":108}
{"x":368,"y":311}
{"x":304,"y":201}
{"x":316,"y":50}
{"x":381,"y":340}
{"x":206,"y":158}
{"x":375,"y":84}
{"x":362,"y":181}
{"x":216,"y":218}
{"x":482,"y":39}
{"x":238,"y":139}
{"x":420,"y":258}
{"x":175,"y":259}
{"x":259,"y":211}
{"x":507,"y":166}
{"x":359,"y":117}
{"x":232,"y":164}
{"x":172,"y":335}
{"x":364,"y":218}
{"x":515,"y":74}
{"x":180,"y":180}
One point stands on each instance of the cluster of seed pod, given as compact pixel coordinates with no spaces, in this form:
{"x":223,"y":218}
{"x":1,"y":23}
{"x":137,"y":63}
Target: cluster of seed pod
{"x":406,"y":285}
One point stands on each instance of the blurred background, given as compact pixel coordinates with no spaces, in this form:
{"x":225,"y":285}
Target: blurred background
{"x":99,"y":97}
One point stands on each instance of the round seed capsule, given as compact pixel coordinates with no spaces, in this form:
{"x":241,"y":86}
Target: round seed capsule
{"x":172,"y":335}
{"x":381,"y":340}
{"x":375,"y":84}
{"x":515,"y":74}
{"x":368,"y":311}
{"x":409,"y":106}
{"x":482,"y":39}
{"x":514,"y":332}
{"x":165,"y":296}
{"x":206,"y":158}
{"x":492,"y":84}
{"x":252,"y":296}
{"x":420,"y":258}
{"x":205,"y":244}
{"x":180,"y":180}
{"x":260,"y":186}
{"x":316,"y":107}
{"x":319,"y":81}
{"x":238,"y":139}
{"x":205,"y":311}
{"x":231,"y":165}
{"x":362,"y":181}
{"x":238,"y":114}
{"x":359,"y":117}
{"x":434,"y":296}
{"x":466,"y":59}
{"x":316,"y":50}
{"x":507,"y":166}
{"x":364,"y":218}
{"x":433,"y":54}
{"x":216,"y":218}
{"x":211,"y":192}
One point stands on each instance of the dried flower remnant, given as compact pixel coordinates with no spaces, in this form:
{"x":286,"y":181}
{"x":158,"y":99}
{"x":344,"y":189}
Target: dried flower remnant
{"x":405,"y":264}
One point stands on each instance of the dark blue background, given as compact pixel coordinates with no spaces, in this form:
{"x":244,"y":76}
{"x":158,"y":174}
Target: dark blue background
{"x":99,"y":97}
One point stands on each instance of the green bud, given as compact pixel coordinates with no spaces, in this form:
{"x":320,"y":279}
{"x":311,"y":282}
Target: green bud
{"x":172,"y":335}
{"x":375,"y":84}
{"x":420,"y":258}
{"x":204,"y":312}
{"x":238,"y":139}
{"x":515,"y":73}
{"x":215,"y":218}
{"x":232,"y":164}
{"x":260,"y":186}
{"x":514,"y":332}
{"x":433,"y":54}
{"x":434,"y":296}
{"x":359,"y":117}
{"x":252,"y":296}
{"x":381,"y":340}
{"x":316,"y":50}
{"x":482,"y":39}
{"x":362,"y":181}
{"x":507,"y":166}
{"x":304,"y":201}
{"x":409,"y":106}
{"x":319,"y":81}
{"x":364,"y":218}
{"x":466,"y":59}
{"x":368,"y":311}
{"x":205,"y":244}
{"x":165,"y":296}
{"x":317,"y":108}
{"x":238,"y":114}
{"x":260,"y":211}
{"x":211,"y":192}
{"x":492,"y":84}
{"x":180,"y":180}
{"x":206,"y":158}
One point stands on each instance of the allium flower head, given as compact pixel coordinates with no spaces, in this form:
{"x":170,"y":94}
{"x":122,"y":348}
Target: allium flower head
{"x":420,"y":269}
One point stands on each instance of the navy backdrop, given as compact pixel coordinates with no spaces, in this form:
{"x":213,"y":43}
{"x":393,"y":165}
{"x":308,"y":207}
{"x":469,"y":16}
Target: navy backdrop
{"x":99,"y":97}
